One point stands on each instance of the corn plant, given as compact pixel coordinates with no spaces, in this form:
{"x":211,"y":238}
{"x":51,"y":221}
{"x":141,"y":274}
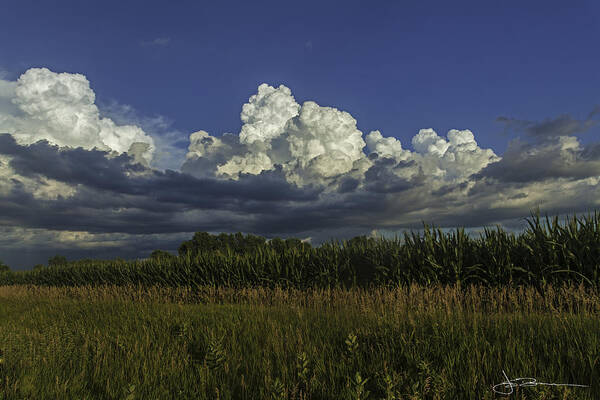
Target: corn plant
{"x":543,"y":254}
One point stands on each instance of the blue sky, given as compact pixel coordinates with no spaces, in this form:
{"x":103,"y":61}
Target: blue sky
{"x":98,"y":99}
{"x":395,"y":66}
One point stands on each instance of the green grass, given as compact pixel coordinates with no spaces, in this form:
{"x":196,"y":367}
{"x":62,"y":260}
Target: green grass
{"x":218,"y":343}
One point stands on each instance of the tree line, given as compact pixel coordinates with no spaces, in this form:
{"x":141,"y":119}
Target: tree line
{"x":237,"y":243}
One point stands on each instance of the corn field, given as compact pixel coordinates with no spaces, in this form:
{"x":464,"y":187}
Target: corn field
{"x":545,"y":253}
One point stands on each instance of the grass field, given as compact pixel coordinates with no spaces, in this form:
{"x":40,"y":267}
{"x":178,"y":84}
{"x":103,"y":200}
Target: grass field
{"x":439,"y":342}
{"x":432,"y":316}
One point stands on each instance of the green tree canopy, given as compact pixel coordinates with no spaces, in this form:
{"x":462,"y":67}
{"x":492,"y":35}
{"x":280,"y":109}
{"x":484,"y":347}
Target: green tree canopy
{"x":161,"y":255}
{"x":280,"y":244}
{"x":57,"y":260}
{"x":237,"y":242}
{"x":361,"y":241}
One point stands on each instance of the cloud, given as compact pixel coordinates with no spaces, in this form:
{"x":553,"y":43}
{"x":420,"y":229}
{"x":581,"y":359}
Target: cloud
{"x":17,"y":244}
{"x":98,"y":170}
{"x":322,"y":146}
{"x":310,"y":142}
{"x":7,"y":107}
{"x":561,"y":157}
{"x":60,"y":108}
{"x":170,"y":144}
{"x":563,"y":125}
{"x":293,"y":169}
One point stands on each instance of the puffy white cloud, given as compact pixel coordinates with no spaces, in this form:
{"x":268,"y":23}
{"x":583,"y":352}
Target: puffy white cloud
{"x":169,"y":143}
{"x":323,"y":143}
{"x":453,"y":160}
{"x":266,"y":114}
{"x":321,"y":131}
{"x":322,"y":146}
{"x":60,"y":108}
{"x":206,"y":153}
{"x":203,"y":145}
{"x":386,"y":146}
{"x":428,"y":142}
{"x":311,"y":143}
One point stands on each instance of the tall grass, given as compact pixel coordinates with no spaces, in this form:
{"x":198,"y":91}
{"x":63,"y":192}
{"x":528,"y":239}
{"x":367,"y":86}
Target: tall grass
{"x":567,"y":298}
{"x":544,"y":254}
{"x":401,"y":343}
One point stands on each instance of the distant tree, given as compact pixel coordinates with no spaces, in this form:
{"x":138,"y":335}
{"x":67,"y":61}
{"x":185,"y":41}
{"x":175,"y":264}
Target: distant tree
{"x":202,"y":241}
{"x":240,"y":243}
{"x":280,"y":245}
{"x":237,"y":242}
{"x":161,"y":255}
{"x":37,"y":267}
{"x":297,"y":243}
{"x":4,"y":267}
{"x":361,"y":241}
{"x":57,"y":260}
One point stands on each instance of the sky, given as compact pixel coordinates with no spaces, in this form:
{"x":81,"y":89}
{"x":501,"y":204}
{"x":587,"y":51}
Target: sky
{"x":127,"y":126}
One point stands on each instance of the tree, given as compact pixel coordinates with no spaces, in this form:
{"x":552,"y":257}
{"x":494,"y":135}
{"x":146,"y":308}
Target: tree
{"x":361,"y":241}
{"x":161,"y":255}
{"x":237,"y":242}
{"x":280,"y":245}
{"x":202,"y":241}
{"x":4,"y":267}
{"x":57,"y":260}
{"x":297,"y":243}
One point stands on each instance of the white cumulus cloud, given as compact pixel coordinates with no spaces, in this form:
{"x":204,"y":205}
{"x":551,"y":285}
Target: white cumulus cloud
{"x":60,"y":108}
{"x":386,"y":146}
{"x":321,"y":145}
{"x":266,"y":113}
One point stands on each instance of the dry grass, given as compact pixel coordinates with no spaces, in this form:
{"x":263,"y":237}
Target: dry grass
{"x":474,"y":298}
{"x":443,"y":342}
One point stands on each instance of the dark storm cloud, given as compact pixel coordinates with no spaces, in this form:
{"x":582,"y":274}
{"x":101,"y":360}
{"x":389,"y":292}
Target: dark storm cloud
{"x":447,"y":189}
{"x":563,"y":125}
{"x":114,"y":195}
{"x":381,"y":177}
{"x":93,"y":169}
{"x":555,"y":158}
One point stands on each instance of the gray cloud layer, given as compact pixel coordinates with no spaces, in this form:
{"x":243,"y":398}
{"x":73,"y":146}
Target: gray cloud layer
{"x":563,"y":125}
{"x":71,"y":177}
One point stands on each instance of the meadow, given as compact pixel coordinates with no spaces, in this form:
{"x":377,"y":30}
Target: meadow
{"x":432,"y":316}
